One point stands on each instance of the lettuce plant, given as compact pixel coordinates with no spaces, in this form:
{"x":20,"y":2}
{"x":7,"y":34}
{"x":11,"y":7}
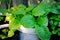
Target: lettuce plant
{"x":21,"y":15}
{"x":35,"y":16}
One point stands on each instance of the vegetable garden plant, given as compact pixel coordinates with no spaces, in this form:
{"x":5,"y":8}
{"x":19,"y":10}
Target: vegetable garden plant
{"x":35,"y":16}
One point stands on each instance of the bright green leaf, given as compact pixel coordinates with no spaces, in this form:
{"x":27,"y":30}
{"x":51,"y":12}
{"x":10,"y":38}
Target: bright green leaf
{"x":30,"y":8}
{"x":43,"y":32}
{"x":14,"y":24}
{"x":17,"y":10}
{"x":42,"y":21}
{"x":10,"y":33}
{"x":42,"y":9}
{"x":28,"y":21}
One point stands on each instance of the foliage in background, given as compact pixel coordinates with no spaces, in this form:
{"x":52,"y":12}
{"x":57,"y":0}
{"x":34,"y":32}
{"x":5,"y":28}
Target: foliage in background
{"x":35,"y":16}
{"x":3,"y":11}
{"x":1,"y":18}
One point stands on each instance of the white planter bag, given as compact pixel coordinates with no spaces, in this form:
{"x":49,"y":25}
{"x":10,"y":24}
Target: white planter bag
{"x":28,"y":34}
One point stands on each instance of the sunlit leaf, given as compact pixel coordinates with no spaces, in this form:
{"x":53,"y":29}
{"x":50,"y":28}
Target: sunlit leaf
{"x":42,"y":9}
{"x":10,"y":33}
{"x":30,"y":8}
{"x":28,"y":21}
{"x":14,"y":24}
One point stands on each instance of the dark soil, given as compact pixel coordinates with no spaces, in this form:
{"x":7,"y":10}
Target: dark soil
{"x":55,"y":37}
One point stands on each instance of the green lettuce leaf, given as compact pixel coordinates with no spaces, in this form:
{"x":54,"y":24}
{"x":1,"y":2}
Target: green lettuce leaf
{"x":42,"y":21}
{"x":28,"y":21}
{"x":43,"y":32}
{"x":42,"y":9}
